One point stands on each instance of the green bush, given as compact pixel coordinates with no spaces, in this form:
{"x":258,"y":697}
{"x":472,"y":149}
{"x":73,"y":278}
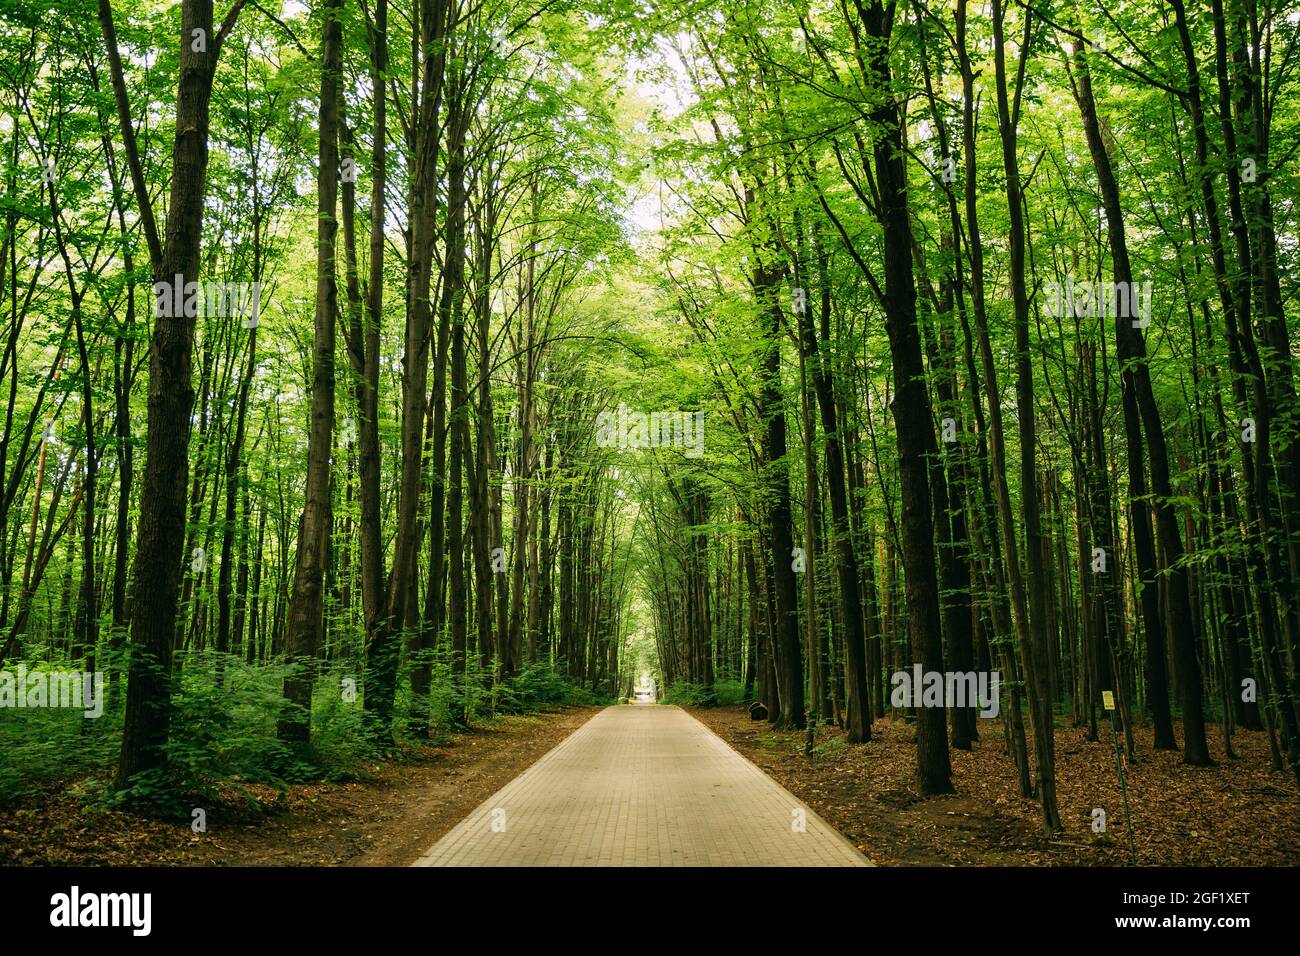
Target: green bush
{"x":227,"y":732}
{"x":541,"y":685}
{"x":723,"y":693}
{"x":40,"y":748}
{"x":729,"y":692}
{"x":340,"y":746}
{"x":685,"y":694}
{"x":224,"y":729}
{"x":221,"y":730}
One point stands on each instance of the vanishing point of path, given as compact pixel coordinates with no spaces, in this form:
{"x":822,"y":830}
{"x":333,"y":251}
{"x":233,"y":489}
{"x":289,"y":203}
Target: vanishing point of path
{"x":643,"y":785}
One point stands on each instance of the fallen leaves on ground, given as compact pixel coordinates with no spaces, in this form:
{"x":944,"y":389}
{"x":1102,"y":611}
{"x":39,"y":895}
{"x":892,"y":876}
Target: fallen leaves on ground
{"x":1238,"y":813}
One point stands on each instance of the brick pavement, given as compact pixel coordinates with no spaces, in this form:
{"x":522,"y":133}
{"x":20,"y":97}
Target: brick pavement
{"x":642,"y":785}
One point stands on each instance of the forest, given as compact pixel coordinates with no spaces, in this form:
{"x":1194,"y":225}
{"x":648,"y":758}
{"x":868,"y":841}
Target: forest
{"x":377,"y":371}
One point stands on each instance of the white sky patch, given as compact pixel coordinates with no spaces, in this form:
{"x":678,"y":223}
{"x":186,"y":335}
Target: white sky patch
{"x":645,"y":213}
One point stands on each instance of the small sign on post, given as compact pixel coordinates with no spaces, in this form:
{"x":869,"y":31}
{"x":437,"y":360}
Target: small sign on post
{"x":1108,"y":702}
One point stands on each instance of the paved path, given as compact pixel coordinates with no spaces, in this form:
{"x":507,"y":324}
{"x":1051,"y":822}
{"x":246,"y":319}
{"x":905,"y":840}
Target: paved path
{"x":642,"y":785}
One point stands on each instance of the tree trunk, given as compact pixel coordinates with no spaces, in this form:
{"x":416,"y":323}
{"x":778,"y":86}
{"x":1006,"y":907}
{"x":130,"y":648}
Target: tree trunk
{"x":305,"y":622}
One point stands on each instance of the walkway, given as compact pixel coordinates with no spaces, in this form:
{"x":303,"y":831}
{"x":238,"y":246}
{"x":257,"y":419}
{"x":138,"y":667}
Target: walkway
{"x":643,"y":785}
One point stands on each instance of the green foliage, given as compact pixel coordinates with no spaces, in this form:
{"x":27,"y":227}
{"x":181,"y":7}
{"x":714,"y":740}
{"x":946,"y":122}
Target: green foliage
{"x":723,"y":693}
{"x":225,"y":729}
{"x":45,"y":747}
{"x":540,"y":686}
{"x":729,"y":692}
{"x":340,"y":747}
{"x":685,"y":694}
{"x":223,"y":733}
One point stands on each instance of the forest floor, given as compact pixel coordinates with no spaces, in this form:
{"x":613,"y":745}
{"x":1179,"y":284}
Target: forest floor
{"x":397,"y":812}
{"x":1238,"y":813}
